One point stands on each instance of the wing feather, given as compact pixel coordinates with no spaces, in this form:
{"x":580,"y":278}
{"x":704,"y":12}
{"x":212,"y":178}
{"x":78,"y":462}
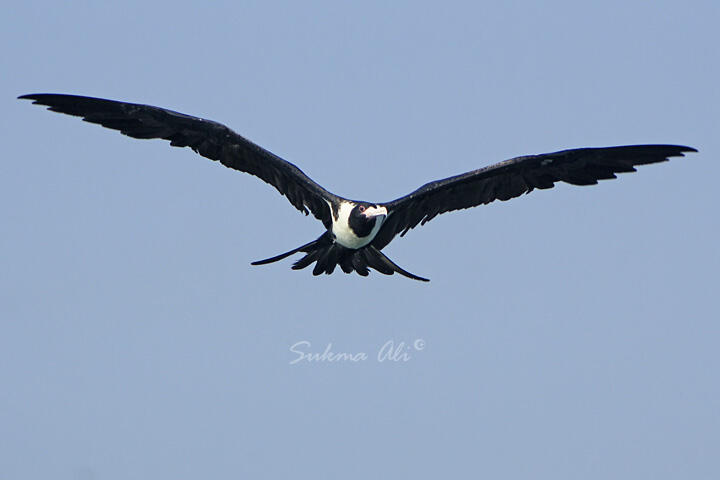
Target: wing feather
{"x":511,"y":178}
{"x":210,"y":139}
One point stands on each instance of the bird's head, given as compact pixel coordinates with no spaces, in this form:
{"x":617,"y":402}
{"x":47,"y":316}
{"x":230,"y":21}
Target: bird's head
{"x":364,"y":216}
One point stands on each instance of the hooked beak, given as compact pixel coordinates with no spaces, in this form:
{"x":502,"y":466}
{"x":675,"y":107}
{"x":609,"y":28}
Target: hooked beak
{"x":372,"y":212}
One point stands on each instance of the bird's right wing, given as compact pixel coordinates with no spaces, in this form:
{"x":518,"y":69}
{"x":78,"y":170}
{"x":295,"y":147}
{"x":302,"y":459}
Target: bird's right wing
{"x":210,"y":139}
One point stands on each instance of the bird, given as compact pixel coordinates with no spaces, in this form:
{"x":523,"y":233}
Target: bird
{"x":356,"y":232}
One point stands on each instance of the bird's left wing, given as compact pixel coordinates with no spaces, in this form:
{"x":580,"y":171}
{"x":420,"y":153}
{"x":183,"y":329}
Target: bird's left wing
{"x":210,"y":139}
{"x":511,"y":178}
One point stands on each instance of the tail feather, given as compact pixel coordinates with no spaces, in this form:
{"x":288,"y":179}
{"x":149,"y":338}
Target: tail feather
{"x":322,"y":261}
{"x":373,"y":261}
{"x":307,"y":260}
{"x":359,"y":264}
{"x":346,"y":264}
{"x":332,"y":257}
{"x":326,"y":254}
{"x":327,"y":261}
{"x":383,"y":264}
{"x":304,"y":248}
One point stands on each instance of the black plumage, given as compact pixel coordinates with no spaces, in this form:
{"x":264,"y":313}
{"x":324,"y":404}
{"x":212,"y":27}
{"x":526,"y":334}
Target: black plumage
{"x":356,"y":232}
{"x":210,"y":139}
{"x":514,"y":177}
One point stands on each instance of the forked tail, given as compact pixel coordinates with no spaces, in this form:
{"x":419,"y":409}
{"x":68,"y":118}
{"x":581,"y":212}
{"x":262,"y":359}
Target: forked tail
{"x":327,"y":254}
{"x":307,"y":248}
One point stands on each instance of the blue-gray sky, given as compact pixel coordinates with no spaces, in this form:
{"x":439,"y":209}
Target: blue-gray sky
{"x":570,"y":333}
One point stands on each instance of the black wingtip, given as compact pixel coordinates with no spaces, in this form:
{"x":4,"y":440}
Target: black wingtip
{"x":679,"y":150}
{"x":37,"y":98}
{"x":31,"y":96}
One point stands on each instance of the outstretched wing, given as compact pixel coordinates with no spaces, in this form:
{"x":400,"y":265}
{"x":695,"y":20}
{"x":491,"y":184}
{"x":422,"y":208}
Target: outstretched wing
{"x":512,"y":178}
{"x":210,"y":139}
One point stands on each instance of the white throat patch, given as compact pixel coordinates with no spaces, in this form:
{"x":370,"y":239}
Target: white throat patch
{"x":344,"y":234}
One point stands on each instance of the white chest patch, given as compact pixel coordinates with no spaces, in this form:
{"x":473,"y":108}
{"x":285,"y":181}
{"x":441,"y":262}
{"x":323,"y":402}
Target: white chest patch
{"x":344,"y":234}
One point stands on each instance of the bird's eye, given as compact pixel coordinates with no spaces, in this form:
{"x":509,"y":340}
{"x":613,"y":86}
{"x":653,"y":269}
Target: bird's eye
{"x":361,"y":208}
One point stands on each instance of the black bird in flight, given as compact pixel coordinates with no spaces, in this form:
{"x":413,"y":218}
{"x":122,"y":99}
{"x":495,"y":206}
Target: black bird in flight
{"x":356,"y":231}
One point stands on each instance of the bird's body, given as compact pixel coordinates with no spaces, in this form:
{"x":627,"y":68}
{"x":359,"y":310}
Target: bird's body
{"x":356,"y":232}
{"x":350,"y":229}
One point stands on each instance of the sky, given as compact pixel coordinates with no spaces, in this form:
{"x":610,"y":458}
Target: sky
{"x":569,"y":333}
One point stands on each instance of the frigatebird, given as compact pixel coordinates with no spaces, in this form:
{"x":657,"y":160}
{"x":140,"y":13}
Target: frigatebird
{"x":357,"y":231}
